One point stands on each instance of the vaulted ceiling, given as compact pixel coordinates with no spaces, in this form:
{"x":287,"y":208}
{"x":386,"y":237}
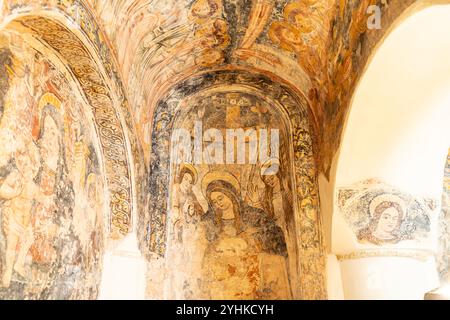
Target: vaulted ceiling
{"x":150,"y":52}
{"x":317,"y":47}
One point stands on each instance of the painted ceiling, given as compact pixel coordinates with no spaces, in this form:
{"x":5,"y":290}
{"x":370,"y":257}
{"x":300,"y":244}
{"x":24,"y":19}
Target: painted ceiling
{"x":318,"y":48}
{"x":138,"y":62}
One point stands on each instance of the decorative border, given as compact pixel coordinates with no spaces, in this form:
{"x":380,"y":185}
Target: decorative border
{"x":104,"y":92}
{"x":311,"y":254}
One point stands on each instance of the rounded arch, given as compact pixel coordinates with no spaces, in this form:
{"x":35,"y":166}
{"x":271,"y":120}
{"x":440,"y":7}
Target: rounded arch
{"x":71,"y":32}
{"x":308,"y":233}
{"x":394,"y":143}
{"x":332,"y":135}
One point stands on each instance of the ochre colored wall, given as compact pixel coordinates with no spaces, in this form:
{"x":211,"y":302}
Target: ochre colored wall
{"x":52,"y":192}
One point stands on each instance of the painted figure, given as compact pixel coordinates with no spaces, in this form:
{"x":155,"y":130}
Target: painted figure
{"x":242,"y":240}
{"x":387,"y":213}
{"x":183,"y":196}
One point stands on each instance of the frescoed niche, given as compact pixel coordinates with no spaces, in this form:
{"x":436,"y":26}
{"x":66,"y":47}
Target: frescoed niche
{"x":231,"y":227}
{"x":51,"y":183}
{"x":380,"y":214}
{"x":244,"y":100}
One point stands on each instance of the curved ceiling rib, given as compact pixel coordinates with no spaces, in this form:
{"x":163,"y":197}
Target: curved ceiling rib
{"x":84,"y":49}
{"x":318,"y":47}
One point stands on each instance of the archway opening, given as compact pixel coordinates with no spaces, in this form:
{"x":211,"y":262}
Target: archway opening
{"x":390,"y":165}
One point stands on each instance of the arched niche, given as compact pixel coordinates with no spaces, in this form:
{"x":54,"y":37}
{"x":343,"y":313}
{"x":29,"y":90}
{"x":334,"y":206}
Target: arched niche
{"x":54,"y":208}
{"x":390,"y":163}
{"x":157,"y":235}
{"x":62,"y":254}
{"x":70,"y":30}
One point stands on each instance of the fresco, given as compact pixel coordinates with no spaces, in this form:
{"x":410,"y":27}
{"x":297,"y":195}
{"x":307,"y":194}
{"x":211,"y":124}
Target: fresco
{"x":159,"y":43}
{"x":303,"y":56}
{"x":89,"y":56}
{"x":380,"y":214}
{"x":244,"y":107}
{"x":232,"y":237}
{"x":51,"y":184}
{"x":319,"y":47}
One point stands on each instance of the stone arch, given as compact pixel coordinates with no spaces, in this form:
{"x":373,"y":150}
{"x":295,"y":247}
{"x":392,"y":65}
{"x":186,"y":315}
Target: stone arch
{"x":153,"y":231}
{"x":392,"y":165}
{"x":70,"y":30}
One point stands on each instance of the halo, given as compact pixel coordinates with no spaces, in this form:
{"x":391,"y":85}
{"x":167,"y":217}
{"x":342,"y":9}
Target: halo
{"x":222,"y":176}
{"x":267,"y":168}
{"x":49,"y":98}
{"x":192,"y":169}
{"x":387,"y":198}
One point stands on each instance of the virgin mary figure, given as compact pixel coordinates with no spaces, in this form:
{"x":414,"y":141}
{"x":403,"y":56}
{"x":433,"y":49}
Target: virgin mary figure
{"x":245,"y":257}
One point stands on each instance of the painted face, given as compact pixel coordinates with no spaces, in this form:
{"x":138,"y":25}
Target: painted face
{"x":388,"y":220}
{"x":186,"y":182}
{"x":271,"y":180}
{"x":12,"y":185}
{"x":221,"y":201}
{"x":50,"y":143}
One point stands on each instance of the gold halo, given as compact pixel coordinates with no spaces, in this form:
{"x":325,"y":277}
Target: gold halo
{"x":387,"y":198}
{"x":49,"y":98}
{"x":222,"y":176}
{"x":192,"y":169}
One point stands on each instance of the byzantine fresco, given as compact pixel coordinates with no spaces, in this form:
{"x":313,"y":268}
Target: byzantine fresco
{"x":51,"y":183}
{"x":231,"y":227}
{"x":103,"y":89}
{"x":380,"y":214}
{"x":254,"y":109}
{"x":319,"y":47}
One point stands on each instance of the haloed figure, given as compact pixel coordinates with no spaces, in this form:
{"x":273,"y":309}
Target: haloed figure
{"x":51,"y":181}
{"x":204,"y":9}
{"x":183,"y":193}
{"x":387,"y":213}
{"x":242,"y":241}
{"x":276,"y":200}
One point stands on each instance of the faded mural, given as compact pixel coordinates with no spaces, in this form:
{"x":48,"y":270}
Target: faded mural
{"x":380,"y":214}
{"x":204,"y":214}
{"x":241,"y":231}
{"x":51,"y":183}
{"x":231,"y":226}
